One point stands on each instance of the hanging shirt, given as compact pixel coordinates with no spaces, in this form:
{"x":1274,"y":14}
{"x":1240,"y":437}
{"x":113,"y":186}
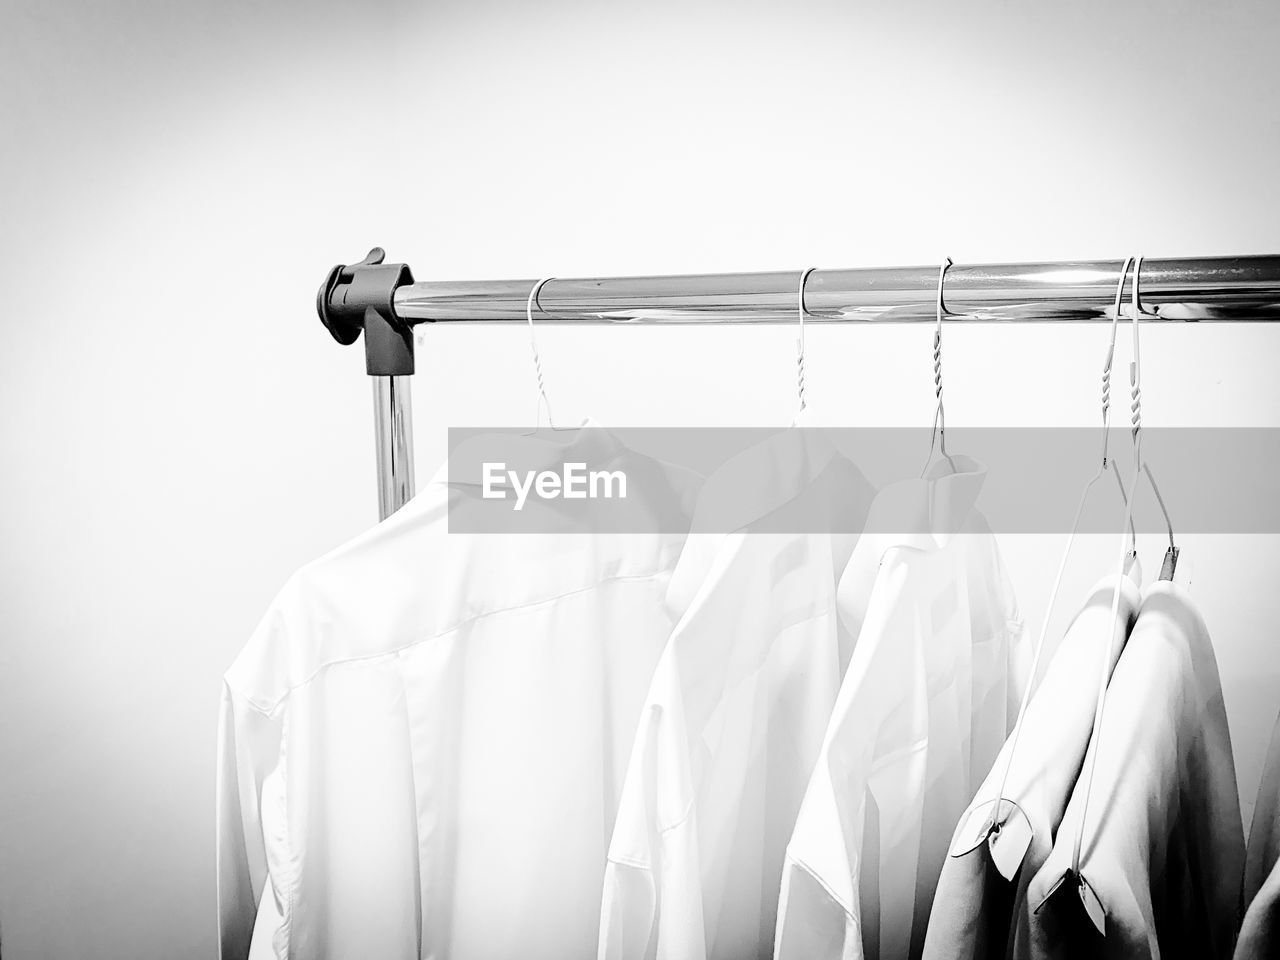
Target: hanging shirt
{"x":424,"y":740}
{"x":975,"y":907}
{"x":936,"y":675}
{"x":1260,"y":932}
{"x":1163,"y":847}
{"x":735,"y":713}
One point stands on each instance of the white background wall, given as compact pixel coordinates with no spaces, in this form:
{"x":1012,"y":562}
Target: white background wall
{"x":177,"y":433}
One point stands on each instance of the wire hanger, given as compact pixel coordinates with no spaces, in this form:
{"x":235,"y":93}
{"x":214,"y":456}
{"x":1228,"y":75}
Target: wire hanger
{"x":801,"y":405}
{"x":1088,"y":897}
{"x":1132,"y":560}
{"x":939,"y":433}
{"x":542,"y":400}
{"x":1169,"y":566}
{"x":1007,"y":831}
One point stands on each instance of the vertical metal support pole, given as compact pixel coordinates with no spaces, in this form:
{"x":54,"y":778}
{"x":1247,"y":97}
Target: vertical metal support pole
{"x":360,"y":298}
{"x":393,"y":429}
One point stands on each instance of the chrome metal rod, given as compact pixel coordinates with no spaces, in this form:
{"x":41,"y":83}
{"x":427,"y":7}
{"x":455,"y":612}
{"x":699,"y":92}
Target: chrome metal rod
{"x":393,"y":432}
{"x":1204,"y":289}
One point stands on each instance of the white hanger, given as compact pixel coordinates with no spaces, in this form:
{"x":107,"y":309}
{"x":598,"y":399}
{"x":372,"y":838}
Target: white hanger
{"x":939,"y":434}
{"x":1132,"y":562}
{"x":1169,"y":566}
{"x":542,"y":399}
{"x":801,"y":406}
{"x":1007,"y":830}
{"x":1088,"y":897}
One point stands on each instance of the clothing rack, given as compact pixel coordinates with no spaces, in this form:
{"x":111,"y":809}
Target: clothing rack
{"x":385,"y":302}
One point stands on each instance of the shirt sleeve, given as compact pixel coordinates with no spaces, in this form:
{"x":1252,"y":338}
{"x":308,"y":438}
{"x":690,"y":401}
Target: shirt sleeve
{"x":248,"y":743}
{"x":874,"y":746}
{"x":629,"y":905}
{"x":652,"y":899}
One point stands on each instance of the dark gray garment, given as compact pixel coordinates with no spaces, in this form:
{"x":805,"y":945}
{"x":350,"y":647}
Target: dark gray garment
{"x":1163,"y":846}
{"x":974,"y":906}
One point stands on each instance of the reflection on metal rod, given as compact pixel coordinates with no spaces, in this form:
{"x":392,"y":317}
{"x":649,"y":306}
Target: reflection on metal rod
{"x":393,"y":430}
{"x":1204,"y":289}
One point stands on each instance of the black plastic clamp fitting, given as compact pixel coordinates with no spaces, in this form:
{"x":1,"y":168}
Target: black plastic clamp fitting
{"x":361,"y":297}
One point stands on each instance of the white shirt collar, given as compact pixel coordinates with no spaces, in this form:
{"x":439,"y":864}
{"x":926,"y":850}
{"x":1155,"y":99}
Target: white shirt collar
{"x":589,"y":442}
{"x":924,"y":513}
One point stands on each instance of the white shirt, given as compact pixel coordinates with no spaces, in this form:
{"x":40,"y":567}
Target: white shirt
{"x":1163,"y":847}
{"x":975,"y":907}
{"x":735,"y":715}
{"x":922,"y":711}
{"x":424,"y":740}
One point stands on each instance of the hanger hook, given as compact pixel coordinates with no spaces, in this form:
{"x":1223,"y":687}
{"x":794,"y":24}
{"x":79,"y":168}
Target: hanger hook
{"x":939,"y":433}
{"x":800,"y":309}
{"x":537,"y":360}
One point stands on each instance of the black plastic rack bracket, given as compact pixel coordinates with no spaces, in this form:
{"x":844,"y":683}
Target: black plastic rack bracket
{"x":361,"y":297}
